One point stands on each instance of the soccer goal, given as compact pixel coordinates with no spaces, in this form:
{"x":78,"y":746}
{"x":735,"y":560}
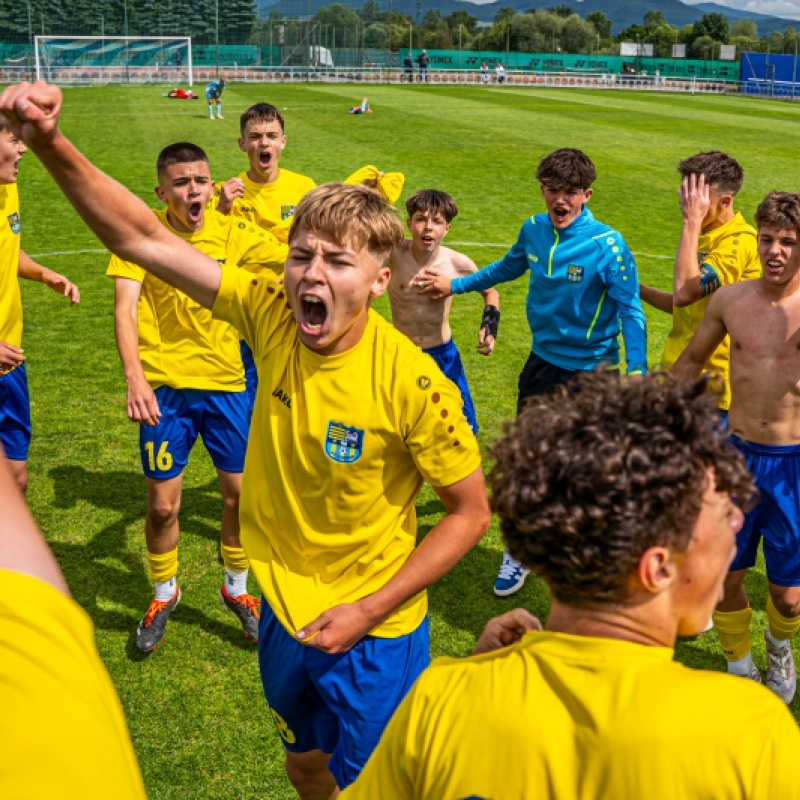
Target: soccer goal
{"x":114,"y":59}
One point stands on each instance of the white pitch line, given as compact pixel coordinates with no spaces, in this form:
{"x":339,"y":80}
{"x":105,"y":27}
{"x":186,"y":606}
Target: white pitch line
{"x":65,"y":253}
{"x":457,"y":244}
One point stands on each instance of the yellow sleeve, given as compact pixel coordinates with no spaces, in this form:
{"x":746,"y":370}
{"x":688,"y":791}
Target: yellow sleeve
{"x":117,"y":268}
{"x":390,"y":773}
{"x":255,"y":305}
{"x":735,"y":258}
{"x":254,"y":248}
{"x":438,"y":436}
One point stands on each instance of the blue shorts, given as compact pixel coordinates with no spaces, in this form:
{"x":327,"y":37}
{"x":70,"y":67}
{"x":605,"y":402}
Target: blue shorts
{"x":776,"y":518}
{"x":341,"y":703}
{"x":447,"y":357}
{"x":250,"y":375}
{"x":15,"y":414}
{"x":221,"y":418}
{"x":212,"y":94}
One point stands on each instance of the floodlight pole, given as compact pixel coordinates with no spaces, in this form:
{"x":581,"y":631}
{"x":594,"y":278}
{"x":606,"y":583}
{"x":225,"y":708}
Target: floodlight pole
{"x":216,"y":32}
{"x":30,"y":40}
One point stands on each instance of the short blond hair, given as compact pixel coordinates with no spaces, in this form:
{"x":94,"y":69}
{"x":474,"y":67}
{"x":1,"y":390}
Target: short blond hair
{"x":349,"y":214}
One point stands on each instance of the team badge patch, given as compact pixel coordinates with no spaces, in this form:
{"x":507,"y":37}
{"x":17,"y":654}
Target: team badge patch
{"x":287,"y":211}
{"x":574,"y":274}
{"x":13,"y":221}
{"x":343,"y":444}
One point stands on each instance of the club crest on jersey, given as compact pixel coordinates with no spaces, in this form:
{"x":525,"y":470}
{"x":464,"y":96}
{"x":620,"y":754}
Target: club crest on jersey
{"x":13,"y":221}
{"x":343,"y":443}
{"x":574,"y":274}
{"x":287,"y":211}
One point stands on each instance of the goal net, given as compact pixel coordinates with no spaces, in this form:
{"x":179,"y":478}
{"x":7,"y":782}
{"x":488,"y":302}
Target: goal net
{"x":114,"y":59}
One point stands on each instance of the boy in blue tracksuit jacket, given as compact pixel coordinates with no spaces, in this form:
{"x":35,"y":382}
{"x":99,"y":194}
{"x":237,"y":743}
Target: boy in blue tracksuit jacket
{"x":583,"y":286}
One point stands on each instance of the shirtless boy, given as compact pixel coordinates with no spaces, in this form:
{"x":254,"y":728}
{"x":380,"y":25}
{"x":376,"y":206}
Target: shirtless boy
{"x":426,"y":321}
{"x":762,"y":318}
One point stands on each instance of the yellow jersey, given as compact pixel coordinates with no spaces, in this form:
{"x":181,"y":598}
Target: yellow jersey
{"x":180,"y":344}
{"x":62,"y":730}
{"x":10,"y":298}
{"x":267,"y":204}
{"x":339,"y":447}
{"x":582,"y":718}
{"x":732,"y":252}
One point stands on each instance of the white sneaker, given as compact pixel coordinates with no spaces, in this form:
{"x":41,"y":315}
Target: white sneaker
{"x":511,"y":577}
{"x":781,"y":671}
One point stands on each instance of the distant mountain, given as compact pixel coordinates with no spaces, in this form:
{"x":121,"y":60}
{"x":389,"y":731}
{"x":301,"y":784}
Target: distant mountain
{"x":622,"y":13}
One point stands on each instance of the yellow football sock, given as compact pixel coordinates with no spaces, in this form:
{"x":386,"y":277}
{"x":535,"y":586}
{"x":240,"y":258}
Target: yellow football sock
{"x":163,"y":567}
{"x":234,"y":558}
{"x":733,"y":628}
{"x":781,"y":627}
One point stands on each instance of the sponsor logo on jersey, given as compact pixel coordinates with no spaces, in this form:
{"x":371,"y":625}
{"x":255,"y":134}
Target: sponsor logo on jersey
{"x":424,"y":382}
{"x":343,"y":443}
{"x":574,"y":273}
{"x":283,"y":397}
{"x":287,"y":211}
{"x":13,"y":221}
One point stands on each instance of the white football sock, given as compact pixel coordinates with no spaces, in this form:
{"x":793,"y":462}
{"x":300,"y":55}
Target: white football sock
{"x":165,"y":590}
{"x":235,"y":582}
{"x":741,"y":666}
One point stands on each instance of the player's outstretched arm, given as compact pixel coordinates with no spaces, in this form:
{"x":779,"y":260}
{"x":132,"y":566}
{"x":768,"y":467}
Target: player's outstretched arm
{"x":490,"y":323}
{"x":121,"y":221}
{"x":656,"y":298}
{"x":22,"y":547}
{"x":141,"y":404}
{"x":687,"y":287}
{"x":32,"y":271}
{"x":457,"y":532}
{"x":707,"y":338}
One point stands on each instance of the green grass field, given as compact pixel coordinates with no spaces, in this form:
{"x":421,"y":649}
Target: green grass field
{"x":199,"y":722}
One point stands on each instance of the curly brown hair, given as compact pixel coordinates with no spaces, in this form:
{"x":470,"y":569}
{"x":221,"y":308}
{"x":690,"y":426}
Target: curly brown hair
{"x":566,"y":169}
{"x":588,"y":478}
{"x":779,"y":210}
{"x":719,"y":169}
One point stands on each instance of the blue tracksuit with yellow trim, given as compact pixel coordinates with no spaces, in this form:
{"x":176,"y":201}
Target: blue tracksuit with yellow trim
{"x":583,"y":285}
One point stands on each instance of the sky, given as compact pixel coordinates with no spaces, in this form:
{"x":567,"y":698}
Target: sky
{"x":788,"y":9}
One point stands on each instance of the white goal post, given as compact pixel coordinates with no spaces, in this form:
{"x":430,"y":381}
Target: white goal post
{"x":114,"y":59}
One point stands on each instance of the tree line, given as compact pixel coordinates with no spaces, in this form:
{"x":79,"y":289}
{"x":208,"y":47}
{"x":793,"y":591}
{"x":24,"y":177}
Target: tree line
{"x":556,"y":29}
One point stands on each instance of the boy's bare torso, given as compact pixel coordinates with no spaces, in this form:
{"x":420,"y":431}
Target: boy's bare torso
{"x":765,"y":363}
{"x":423,"y":320}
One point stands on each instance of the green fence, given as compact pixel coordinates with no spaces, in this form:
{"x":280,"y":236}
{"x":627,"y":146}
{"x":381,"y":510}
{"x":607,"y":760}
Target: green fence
{"x":547,"y":63}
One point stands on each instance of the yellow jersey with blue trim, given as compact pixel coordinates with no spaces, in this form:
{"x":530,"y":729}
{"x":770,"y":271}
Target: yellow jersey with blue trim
{"x":62,"y":730}
{"x":180,"y":344}
{"x":268,"y":204}
{"x":726,"y":255}
{"x":10,"y":297}
{"x":592,"y":718}
{"x":339,"y":447}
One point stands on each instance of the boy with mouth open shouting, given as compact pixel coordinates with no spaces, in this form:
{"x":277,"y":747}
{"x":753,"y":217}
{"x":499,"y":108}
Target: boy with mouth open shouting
{"x":424,"y":320}
{"x":265,"y":195}
{"x":583,"y":285}
{"x":185,"y":379}
{"x":349,"y":421}
{"x":762,"y":318}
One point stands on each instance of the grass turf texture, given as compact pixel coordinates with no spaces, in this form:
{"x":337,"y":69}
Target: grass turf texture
{"x":199,"y":723}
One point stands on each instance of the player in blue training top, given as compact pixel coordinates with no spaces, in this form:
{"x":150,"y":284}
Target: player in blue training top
{"x":214,"y":92}
{"x":583,"y":283}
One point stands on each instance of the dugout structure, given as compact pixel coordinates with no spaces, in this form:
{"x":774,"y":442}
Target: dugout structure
{"x":114,"y":59}
{"x":770,"y":75}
